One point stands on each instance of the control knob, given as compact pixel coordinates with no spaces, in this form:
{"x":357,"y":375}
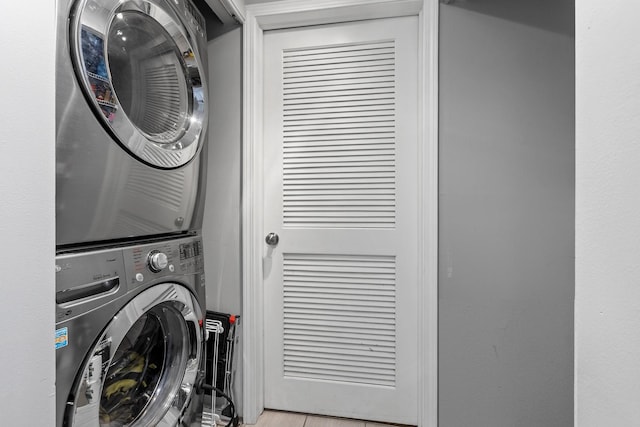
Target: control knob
{"x":158,"y":261}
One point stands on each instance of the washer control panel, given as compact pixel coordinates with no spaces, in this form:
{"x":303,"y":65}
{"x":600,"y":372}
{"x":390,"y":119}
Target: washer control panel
{"x":85,"y":281}
{"x":156,"y":260}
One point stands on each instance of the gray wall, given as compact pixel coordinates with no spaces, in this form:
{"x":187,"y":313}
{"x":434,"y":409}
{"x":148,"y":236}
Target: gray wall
{"x":222,"y":218}
{"x":506,"y":276}
{"x":221,"y":225}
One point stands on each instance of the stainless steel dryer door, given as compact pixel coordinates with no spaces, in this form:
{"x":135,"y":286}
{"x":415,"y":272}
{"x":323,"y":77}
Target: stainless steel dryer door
{"x":143,"y":369}
{"x":139,"y":67}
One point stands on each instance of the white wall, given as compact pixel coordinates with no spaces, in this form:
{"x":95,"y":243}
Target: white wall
{"x":506,"y":219}
{"x":607,"y":338}
{"x":27,"y":191}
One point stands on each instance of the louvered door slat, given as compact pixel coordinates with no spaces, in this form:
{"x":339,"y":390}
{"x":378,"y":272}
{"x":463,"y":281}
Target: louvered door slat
{"x":345,"y":90}
{"x":344,"y":99}
{"x":340,"y":78}
{"x":339,"y":176}
{"x":353,"y":75}
{"x":337,"y":300}
{"x":362,"y":117}
{"x":330,"y":355}
{"x":381,"y":53}
{"x":318,"y":112}
{"x":328,"y":182}
{"x":319,"y":276}
{"x":328,"y":279}
{"x":333,"y":323}
{"x":360,"y":336}
{"x":342,"y":171}
{"x":337,"y":84}
{"x":345,"y":165}
{"x":338,"y":188}
{"x":354,"y":51}
{"x":359,"y":63}
{"x":337,"y":195}
{"x":338,"y":139}
{"x":300,"y":110}
{"x":379,"y":342}
{"x":334,"y":201}
{"x":339,"y":70}
{"x":329,"y":319}
{"x":341,"y":294}
{"x":338,"y":158}
{"x":339,"y":310}
{"x":364,"y":366}
{"x":383,"y":316}
{"x":375,"y":123}
{"x":351,"y":53}
{"x":341,"y":117}
{"x":337,"y":147}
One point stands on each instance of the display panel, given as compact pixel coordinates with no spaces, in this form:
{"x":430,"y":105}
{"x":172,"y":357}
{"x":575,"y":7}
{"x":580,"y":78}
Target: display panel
{"x":190,"y":250}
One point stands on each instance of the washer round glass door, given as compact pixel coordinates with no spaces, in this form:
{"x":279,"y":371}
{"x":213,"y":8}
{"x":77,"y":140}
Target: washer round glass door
{"x":140,"y":69}
{"x":143,"y":368}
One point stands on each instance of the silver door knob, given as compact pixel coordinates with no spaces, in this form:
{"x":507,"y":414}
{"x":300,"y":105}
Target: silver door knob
{"x":272,"y":239}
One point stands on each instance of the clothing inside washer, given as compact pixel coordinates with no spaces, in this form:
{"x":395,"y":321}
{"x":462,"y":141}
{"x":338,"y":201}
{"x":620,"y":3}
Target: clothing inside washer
{"x":134,"y":373}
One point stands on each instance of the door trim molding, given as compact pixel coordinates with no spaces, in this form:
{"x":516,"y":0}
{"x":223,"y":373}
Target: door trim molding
{"x":292,"y":13}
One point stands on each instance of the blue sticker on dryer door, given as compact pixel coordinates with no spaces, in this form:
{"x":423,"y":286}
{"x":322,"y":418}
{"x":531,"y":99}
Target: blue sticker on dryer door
{"x":62,"y":337}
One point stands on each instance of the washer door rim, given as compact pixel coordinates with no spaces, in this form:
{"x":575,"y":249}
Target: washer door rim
{"x":168,"y":405}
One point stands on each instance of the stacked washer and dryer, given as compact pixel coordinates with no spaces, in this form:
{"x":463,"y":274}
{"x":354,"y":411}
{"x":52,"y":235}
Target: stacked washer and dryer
{"x":132,"y":108}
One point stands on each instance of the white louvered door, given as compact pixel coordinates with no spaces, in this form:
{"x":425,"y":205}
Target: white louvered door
{"x":340,"y":170}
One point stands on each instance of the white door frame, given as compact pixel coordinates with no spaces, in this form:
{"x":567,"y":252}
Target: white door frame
{"x":294,"y":13}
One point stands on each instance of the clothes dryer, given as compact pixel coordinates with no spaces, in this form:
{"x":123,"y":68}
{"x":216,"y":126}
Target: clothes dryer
{"x":131,"y":111}
{"x":129,"y":335}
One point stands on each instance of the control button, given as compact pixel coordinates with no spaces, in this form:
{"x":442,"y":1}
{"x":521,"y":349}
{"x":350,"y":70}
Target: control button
{"x":139,"y":277}
{"x":171,"y":268}
{"x":158,"y":261}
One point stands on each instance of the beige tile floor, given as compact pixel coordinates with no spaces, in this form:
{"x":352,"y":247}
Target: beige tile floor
{"x":287,"y":419}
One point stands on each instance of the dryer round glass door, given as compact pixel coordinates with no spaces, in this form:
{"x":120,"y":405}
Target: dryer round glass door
{"x":143,"y":369}
{"x":141,"y":72}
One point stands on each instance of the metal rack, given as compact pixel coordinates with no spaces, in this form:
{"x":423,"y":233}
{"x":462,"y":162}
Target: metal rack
{"x":220,"y":343}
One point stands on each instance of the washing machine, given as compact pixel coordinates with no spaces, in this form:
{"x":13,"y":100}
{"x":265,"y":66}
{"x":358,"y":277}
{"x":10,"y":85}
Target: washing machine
{"x":131,"y":115}
{"x":129,"y":335}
